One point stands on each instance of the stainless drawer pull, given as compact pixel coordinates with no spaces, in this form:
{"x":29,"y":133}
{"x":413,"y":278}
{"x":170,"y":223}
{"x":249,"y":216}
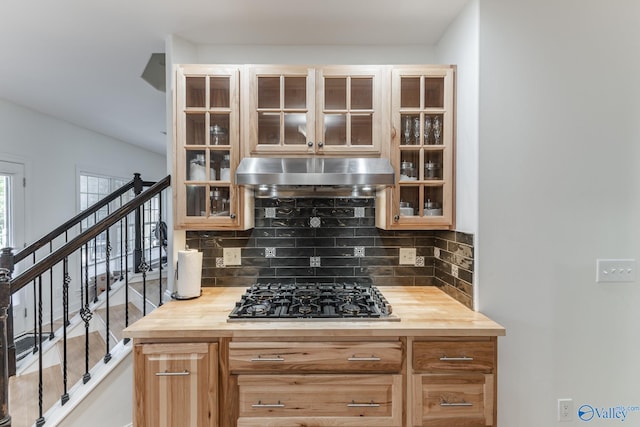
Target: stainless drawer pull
{"x":173,"y":374}
{"x":268,"y":359}
{"x":373,"y":358}
{"x":456,"y":359}
{"x":463,"y":403}
{"x":267,"y":405}
{"x":371,"y":404}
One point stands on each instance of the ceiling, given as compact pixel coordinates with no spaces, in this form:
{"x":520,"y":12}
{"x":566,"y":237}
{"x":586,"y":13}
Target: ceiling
{"x":81,"y":61}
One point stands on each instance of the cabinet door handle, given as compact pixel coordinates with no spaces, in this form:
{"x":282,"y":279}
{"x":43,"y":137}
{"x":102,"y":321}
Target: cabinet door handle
{"x":267,"y":405}
{"x":371,"y":404}
{"x":309,"y":144}
{"x":320,"y":144}
{"x":463,"y":403}
{"x":173,"y":374}
{"x":456,"y":359}
{"x":373,"y":358}
{"x":275,"y":358}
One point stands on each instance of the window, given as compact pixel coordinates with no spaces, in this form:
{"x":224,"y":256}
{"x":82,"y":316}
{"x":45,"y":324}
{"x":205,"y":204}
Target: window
{"x":94,"y":188}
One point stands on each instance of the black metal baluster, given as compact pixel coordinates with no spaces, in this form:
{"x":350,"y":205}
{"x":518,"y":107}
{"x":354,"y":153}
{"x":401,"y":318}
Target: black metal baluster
{"x":38,"y":315}
{"x":107,"y":356}
{"x":144,"y":226}
{"x":51,"y":333}
{"x":95,"y":264}
{"x":86,"y":316}
{"x":6,"y":268}
{"x":121,"y":245}
{"x":36,"y":340}
{"x":144,"y":267}
{"x":66,"y":280}
{"x":126,"y":276}
{"x":160,"y":246}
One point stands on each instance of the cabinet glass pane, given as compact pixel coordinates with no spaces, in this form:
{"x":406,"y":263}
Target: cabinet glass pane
{"x":196,"y":202}
{"x":268,"y":128}
{"x":410,"y":125}
{"x":335,"y":129}
{"x":409,"y":200}
{"x":362,"y":93}
{"x":433,"y":92}
{"x":219,"y":92}
{"x":196,"y":166}
{"x":196,"y":93}
{"x":195,"y":131}
{"x":268,"y":92}
{"x":295,"y":129}
{"x":433,"y":129}
{"x":362,"y":129}
{"x":219,"y":201}
{"x":410,"y":92}
{"x":295,"y":92}
{"x":219,"y":129}
{"x":433,"y":201}
{"x":433,"y":166}
{"x":409,"y":165}
{"x":219,"y":165}
{"x":335,"y":93}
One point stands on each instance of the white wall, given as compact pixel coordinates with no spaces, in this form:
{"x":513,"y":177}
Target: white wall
{"x":559,"y":187}
{"x":53,"y":151}
{"x":460,"y":46}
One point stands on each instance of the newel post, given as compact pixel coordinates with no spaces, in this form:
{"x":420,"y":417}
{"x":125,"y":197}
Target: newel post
{"x":6,"y":268}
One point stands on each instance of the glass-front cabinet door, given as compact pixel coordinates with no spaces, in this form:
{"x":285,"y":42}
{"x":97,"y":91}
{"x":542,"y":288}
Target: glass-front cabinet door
{"x":423,"y":119}
{"x":301,"y":110}
{"x":207,"y":147}
{"x":280,"y":109}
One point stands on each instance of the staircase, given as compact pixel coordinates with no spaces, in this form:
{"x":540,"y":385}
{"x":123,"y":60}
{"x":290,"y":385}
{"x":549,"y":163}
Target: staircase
{"x":55,"y":381}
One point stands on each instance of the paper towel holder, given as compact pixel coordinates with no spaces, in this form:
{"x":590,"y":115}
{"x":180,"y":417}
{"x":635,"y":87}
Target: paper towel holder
{"x":176,"y":294}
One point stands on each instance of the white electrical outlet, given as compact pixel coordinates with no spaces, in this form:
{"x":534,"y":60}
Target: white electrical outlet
{"x":565,"y":409}
{"x":454,"y":271}
{"x":232,"y":256}
{"x":407,"y":256}
{"x":615,"y":270}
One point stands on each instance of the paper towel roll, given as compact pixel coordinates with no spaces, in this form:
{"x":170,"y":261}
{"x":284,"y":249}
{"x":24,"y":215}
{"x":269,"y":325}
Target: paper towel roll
{"x":188,"y":274}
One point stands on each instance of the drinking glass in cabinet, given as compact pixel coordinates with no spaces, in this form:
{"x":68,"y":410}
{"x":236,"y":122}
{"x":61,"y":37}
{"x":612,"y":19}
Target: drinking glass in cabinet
{"x":407,"y":130}
{"x":437,"y":130}
{"x":427,"y":129}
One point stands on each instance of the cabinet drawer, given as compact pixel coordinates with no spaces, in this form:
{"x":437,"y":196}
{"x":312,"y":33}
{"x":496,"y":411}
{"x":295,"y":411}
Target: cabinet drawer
{"x":320,"y":400}
{"x":454,"y":356}
{"x":315,"y":357}
{"x":463,"y":400}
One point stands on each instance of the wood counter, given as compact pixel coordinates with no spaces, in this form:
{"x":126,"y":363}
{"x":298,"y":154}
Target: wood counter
{"x":422,"y":311}
{"x":434,"y":365}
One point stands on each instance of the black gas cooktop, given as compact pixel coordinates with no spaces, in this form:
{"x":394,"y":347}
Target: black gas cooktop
{"x":279,"y":301}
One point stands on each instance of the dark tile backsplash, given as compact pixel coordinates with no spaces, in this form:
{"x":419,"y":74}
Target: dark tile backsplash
{"x":301,"y":240}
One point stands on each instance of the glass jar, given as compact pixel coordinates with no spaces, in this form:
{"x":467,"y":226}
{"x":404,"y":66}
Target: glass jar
{"x":225,"y":168}
{"x":219,"y":204}
{"x":407,"y":171}
{"x":431,"y":170}
{"x":218,"y":135}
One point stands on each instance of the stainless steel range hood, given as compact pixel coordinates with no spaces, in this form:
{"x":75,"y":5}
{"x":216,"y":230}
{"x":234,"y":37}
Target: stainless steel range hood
{"x":314,"y":176}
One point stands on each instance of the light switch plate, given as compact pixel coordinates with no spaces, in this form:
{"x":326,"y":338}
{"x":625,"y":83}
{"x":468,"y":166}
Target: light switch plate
{"x":407,"y":256}
{"x":615,"y":270}
{"x":232,"y":256}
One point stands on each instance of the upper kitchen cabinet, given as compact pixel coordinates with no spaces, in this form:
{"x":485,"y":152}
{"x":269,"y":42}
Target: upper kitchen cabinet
{"x":207,"y":148}
{"x":300,"y":110}
{"x":422,"y":149}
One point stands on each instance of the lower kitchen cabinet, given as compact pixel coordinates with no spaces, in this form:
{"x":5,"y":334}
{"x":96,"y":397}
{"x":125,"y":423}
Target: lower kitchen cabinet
{"x":453,"y":382}
{"x":176,"y":385}
{"x":320,"y":400}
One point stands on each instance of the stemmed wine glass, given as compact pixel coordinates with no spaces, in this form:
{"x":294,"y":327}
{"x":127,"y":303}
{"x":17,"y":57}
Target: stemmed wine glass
{"x":407,"y":130}
{"x":427,"y":129}
{"x":437,"y":130}
{"x":416,"y":130}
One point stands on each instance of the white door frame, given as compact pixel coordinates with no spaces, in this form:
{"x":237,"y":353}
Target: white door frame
{"x":16,"y":213}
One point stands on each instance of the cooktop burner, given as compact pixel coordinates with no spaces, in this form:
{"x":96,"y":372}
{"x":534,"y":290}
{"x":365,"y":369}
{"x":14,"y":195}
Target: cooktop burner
{"x":273,"y":301}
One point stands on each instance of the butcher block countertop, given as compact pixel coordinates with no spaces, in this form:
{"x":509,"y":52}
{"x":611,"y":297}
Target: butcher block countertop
{"x":422,"y":311}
